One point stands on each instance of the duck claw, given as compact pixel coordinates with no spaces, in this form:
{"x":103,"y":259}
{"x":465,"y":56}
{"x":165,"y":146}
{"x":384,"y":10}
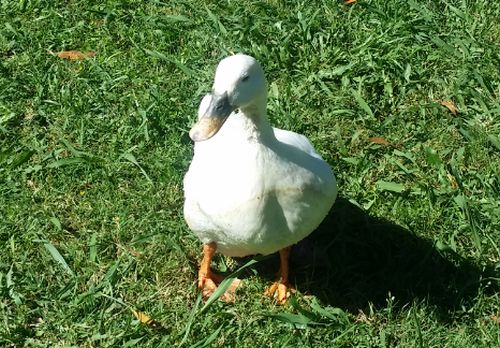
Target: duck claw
{"x":279,"y":291}
{"x":209,"y":283}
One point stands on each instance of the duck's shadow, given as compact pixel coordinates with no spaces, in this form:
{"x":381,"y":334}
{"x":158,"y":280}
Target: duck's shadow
{"x":353,"y":260}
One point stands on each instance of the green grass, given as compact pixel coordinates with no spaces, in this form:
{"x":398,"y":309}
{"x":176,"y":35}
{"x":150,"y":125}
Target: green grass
{"x":92,"y":155}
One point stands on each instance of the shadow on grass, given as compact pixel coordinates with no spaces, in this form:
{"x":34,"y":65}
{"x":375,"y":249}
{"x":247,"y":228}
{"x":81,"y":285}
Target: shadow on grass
{"x":353,"y":259}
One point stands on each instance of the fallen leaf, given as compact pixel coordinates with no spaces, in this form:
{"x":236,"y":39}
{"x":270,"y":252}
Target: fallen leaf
{"x":450,"y":106}
{"x":363,"y":318}
{"x":495,"y":319}
{"x":452,"y":180}
{"x":142,"y":317}
{"x":378,"y":140}
{"x":37,"y":322}
{"x":72,"y":55}
{"x":31,"y":184}
{"x":349,"y":2}
{"x":134,"y":252}
{"x":146,"y":320}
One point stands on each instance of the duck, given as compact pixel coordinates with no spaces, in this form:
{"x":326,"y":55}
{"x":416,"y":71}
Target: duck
{"x":250,"y":189}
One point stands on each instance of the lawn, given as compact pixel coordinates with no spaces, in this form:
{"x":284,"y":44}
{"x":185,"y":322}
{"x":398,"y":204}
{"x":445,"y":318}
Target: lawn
{"x":402,"y":98}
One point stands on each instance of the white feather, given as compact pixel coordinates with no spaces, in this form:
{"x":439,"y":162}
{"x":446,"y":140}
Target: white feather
{"x":251,"y":188}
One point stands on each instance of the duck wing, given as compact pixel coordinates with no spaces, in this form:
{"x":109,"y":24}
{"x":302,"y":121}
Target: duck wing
{"x":296,"y":140}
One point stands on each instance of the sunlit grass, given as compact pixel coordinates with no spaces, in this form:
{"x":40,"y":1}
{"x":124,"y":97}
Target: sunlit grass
{"x":93,"y":151}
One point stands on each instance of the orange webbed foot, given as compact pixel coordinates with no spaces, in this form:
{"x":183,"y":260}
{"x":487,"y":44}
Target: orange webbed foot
{"x":209,"y":281}
{"x":279,"y":291}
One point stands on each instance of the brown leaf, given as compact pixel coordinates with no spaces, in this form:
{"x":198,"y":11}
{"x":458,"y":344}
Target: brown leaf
{"x":349,"y":2}
{"x":363,"y":318}
{"x":72,"y":55}
{"x":378,"y":140}
{"x":452,"y":180}
{"x":142,"y":317}
{"x":495,"y":319}
{"x":146,"y":320}
{"x":31,"y":184}
{"x":450,"y":106}
{"x":134,"y":252}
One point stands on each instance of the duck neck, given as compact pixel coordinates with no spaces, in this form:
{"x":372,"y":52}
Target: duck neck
{"x":256,"y":120}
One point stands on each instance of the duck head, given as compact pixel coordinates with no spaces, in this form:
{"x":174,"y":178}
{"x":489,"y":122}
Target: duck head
{"x":239,"y":84}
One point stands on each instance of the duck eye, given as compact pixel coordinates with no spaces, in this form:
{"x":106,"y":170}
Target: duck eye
{"x":245,"y":78}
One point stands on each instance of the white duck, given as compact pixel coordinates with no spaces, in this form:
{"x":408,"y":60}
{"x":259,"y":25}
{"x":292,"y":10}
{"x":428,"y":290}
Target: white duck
{"x":251,"y":188}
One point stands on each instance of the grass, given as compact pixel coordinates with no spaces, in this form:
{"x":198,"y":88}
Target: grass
{"x":93,"y":151}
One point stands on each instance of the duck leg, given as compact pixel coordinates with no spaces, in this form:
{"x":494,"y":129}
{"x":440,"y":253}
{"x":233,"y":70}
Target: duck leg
{"x":207,"y":280}
{"x":281,"y":289}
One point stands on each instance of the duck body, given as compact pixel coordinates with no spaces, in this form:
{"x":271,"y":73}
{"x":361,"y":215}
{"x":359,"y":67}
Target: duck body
{"x":250,"y":188}
{"x":254,"y":193}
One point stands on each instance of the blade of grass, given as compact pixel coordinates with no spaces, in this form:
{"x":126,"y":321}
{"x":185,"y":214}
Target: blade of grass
{"x":362,"y":103}
{"x":419,"y":330}
{"x":221,"y":289}
{"x":390,"y":186}
{"x":190,"y":320}
{"x":56,"y":255}
{"x":182,"y":67}
{"x":131,"y":158}
{"x":206,"y":342}
{"x":298,"y":321}
{"x":93,"y":247}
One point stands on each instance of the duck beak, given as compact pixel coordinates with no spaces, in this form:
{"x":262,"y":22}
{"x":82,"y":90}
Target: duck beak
{"x":213,"y":118}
